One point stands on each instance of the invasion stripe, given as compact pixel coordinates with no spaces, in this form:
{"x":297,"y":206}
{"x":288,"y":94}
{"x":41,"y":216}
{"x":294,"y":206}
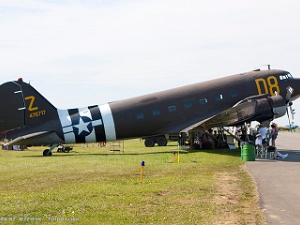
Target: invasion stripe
{"x":74,"y":115}
{"x":66,"y":125}
{"x":108,"y":121}
{"x":97,"y":118}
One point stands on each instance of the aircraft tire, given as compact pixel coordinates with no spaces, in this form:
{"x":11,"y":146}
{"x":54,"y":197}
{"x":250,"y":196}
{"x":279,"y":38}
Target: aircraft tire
{"x":47,"y":152}
{"x":162,"y":141}
{"x":149,"y":142}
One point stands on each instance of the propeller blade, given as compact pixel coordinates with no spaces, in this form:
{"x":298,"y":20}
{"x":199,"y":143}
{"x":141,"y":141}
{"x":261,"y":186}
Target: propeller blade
{"x":288,"y":115}
{"x":289,"y":92}
{"x":293,"y":113}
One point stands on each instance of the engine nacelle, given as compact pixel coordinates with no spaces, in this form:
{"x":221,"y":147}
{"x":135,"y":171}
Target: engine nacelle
{"x":279,"y":109}
{"x":269,"y":108}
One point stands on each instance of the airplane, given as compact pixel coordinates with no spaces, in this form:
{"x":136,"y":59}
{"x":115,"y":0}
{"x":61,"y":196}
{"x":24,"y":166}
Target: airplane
{"x":291,"y":127}
{"x":261,"y":95}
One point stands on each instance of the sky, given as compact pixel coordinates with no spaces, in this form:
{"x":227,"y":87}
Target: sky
{"x":85,"y":52}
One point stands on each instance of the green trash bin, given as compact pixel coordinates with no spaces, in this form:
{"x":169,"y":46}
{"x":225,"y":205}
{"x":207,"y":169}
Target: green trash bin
{"x":248,"y":152}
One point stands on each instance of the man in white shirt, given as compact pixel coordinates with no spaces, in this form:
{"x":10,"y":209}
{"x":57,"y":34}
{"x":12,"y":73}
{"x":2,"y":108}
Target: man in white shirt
{"x":263,"y":131}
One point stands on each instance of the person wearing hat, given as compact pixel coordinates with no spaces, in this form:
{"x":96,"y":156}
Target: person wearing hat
{"x":258,"y":140}
{"x":258,"y":145}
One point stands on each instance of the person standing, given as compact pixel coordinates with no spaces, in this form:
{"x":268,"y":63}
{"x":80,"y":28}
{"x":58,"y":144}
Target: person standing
{"x":274,"y":133}
{"x":263,"y":131}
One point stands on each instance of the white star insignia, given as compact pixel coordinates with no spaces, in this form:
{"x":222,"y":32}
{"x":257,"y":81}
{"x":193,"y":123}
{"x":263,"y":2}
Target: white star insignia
{"x":82,"y":126}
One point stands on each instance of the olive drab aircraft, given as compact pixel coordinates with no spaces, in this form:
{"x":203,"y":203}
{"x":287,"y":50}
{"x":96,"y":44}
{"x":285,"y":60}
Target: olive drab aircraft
{"x":27,"y":118}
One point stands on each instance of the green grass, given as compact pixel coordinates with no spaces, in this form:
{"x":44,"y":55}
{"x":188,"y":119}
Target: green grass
{"x":94,"y":186}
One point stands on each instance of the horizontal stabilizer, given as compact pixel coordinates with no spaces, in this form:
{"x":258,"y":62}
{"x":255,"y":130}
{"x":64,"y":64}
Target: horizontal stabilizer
{"x":38,"y":138}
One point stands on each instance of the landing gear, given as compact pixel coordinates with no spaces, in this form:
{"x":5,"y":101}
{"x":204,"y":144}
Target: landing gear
{"x":48,"y":152}
{"x":162,"y":141}
{"x":149,"y":142}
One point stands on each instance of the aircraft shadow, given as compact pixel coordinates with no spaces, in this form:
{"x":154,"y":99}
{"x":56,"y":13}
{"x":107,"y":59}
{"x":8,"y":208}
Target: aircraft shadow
{"x":76,"y":154}
{"x":235,"y":152}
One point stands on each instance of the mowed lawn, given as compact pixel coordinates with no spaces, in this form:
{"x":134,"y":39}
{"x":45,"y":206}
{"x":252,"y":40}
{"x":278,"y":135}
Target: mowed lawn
{"x":91,"y":185}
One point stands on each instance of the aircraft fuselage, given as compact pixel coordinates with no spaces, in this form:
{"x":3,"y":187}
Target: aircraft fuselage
{"x":174,"y":110}
{"x":29,"y":118}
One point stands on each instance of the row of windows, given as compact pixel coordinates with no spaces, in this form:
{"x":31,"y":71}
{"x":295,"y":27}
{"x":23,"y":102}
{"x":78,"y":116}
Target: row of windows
{"x":186,"y":105}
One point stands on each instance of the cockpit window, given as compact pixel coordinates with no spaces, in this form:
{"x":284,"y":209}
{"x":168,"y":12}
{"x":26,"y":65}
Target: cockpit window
{"x":286,"y":77}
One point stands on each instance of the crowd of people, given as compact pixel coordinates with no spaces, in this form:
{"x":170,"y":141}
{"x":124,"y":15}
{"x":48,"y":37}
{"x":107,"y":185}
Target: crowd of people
{"x":266,"y":135}
{"x":207,"y":139}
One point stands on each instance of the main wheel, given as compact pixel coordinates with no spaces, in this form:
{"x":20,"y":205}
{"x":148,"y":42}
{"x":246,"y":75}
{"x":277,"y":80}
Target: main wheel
{"x":162,"y":141}
{"x":47,"y":152}
{"x":149,"y":142}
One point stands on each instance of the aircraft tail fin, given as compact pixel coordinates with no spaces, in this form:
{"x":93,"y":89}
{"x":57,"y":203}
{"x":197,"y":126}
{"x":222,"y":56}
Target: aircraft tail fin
{"x":12,"y":114}
{"x":24,"y":109}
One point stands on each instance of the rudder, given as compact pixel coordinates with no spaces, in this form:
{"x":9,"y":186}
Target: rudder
{"x":12,"y":114}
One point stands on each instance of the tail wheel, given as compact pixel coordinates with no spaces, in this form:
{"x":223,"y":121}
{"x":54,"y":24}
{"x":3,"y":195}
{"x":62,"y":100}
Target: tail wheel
{"x":47,"y":152}
{"x":162,"y":141}
{"x":149,"y":142}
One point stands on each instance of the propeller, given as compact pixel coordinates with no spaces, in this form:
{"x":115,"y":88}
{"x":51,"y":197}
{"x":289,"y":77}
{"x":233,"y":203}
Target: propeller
{"x":293,"y":112}
{"x":289,"y":92}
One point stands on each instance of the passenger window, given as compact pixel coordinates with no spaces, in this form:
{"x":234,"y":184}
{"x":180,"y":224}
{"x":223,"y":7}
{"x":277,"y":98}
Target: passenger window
{"x":155,"y":112}
{"x":187,"y":105}
{"x":219,"y":98}
{"x":172,"y":108}
{"x":203,"y":101}
{"x":234,"y":94}
{"x":140,"y":116}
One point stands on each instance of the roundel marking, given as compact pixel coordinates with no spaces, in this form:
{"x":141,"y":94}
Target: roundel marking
{"x":83,"y":127}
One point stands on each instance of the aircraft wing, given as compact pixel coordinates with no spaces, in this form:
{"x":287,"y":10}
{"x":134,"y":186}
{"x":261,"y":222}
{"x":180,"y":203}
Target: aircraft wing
{"x":233,"y":116}
{"x":38,"y":138}
{"x":255,"y":108}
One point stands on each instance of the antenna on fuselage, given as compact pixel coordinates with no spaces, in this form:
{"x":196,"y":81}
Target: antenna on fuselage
{"x":268,"y":65}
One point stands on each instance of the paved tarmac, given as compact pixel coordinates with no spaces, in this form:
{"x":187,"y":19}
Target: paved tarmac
{"x":278,"y":181}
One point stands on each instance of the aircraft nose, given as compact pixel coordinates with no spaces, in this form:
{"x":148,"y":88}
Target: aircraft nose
{"x":295,"y":84}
